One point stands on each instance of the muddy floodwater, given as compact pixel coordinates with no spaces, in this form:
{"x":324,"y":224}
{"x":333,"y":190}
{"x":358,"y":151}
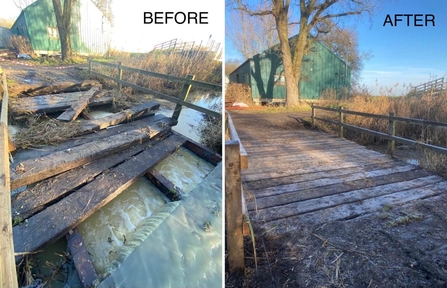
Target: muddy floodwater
{"x":142,"y":227}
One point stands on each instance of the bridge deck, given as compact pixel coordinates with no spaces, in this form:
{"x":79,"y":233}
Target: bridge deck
{"x":298,"y":175}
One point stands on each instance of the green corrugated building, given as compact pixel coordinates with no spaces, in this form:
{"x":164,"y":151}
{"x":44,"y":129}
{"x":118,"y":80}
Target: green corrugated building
{"x":90,"y":30}
{"x":322,"y":71}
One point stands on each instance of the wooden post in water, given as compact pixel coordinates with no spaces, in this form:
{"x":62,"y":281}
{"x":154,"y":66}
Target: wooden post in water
{"x":233,"y":206}
{"x":182,"y":96}
{"x":313,"y":115}
{"x":8,"y":275}
{"x":391,"y":132}
{"x":120,"y":76}
{"x":340,"y":121}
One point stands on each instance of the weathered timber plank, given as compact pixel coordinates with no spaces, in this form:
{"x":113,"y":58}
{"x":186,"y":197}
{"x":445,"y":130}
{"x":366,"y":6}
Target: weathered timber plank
{"x":274,"y":173}
{"x":338,"y":188}
{"x":164,"y":185}
{"x":56,"y":220}
{"x":81,"y":258}
{"x":351,"y":210}
{"x":234,"y":136}
{"x":97,"y":136}
{"x":61,"y":161}
{"x":62,"y":87}
{"x":76,"y":108}
{"x":117,"y":118}
{"x":331,"y":200}
{"x":34,"y":199}
{"x":296,"y":163}
{"x":8,"y":277}
{"x":324,"y":181}
{"x":22,"y":107}
{"x":331,"y":171}
{"x":203,"y":152}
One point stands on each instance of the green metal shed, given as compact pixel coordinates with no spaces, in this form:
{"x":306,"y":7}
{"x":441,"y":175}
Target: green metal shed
{"x":90,"y":30}
{"x":322,"y":71}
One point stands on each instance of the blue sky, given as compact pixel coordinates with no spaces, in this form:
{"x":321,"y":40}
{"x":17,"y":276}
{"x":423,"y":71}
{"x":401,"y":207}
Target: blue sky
{"x":401,"y":55}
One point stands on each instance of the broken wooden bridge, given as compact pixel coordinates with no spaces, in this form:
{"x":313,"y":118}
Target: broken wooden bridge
{"x":57,"y":187}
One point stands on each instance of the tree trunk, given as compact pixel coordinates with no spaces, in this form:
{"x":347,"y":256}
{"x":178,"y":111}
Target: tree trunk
{"x":63,"y":19}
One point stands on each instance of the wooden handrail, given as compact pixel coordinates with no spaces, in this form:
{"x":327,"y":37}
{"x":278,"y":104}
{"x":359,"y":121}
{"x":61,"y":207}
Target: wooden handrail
{"x":8,"y":275}
{"x":390,"y":136}
{"x":179,"y":101}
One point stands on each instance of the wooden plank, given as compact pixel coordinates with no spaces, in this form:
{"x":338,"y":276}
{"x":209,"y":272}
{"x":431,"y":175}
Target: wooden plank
{"x":100,"y":135}
{"x":164,"y":185}
{"x":56,"y":220}
{"x":233,"y":206}
{"x":81,"y":258}
{"x":274,"y":173}
{"x":76,"y":108}
{"x":30,"y":171}
{"x":314,"y":204}
{"x":338,"y":188}
{"x":61,"y":87}
{"x":117,"y":118}
{"x":8,"y":276}
{"x":352,"y":210}
{"x":23,"y":107}
{"x":203,"y":152}
{"x":34,"y":199}
{"x":330,"y":172}
{"x":330,"y":180}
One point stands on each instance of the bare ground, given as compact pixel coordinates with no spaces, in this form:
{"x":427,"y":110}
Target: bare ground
{"x":402,"y":246}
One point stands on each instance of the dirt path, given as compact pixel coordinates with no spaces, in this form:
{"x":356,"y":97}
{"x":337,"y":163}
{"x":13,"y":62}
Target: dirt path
{"x":402,"y":246}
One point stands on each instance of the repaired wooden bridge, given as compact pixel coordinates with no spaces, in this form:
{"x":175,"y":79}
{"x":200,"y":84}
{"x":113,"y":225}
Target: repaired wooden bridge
{"x":299,"y":175}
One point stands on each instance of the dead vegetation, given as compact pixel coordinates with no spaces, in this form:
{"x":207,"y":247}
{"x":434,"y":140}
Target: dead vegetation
{"x":45,"y":131}
{"x":427,"y":107}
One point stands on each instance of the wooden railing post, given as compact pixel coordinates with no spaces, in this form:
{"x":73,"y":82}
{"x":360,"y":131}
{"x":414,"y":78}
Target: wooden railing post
{"x":89,"y":68}
{"x":182,"y":96}
{"x":313,"y":116}
{"x":120,"y":76}
{"x":8,"y":275}
{"x":233,"y":206}
{"x":340,"y":121}
{"x":391,"y":132}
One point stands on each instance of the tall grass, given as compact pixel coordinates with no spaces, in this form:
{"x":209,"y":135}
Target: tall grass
{"x":426,"y":107}
{"x":200,"y":64}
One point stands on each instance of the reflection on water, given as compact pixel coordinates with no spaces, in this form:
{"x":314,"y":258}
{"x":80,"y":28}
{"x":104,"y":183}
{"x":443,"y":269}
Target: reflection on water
{"x":114,"y":225}
{"x":189,"y":119}
{"x":184,"y":169}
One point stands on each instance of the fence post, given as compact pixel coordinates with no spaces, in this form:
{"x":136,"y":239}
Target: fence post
{"x":391,"y":132}
{"x":182,"y":96}
{"x":8,"y":275}
{"x":313,"y":115}
{"x":120,"y":76}
{"x":90,"y":68}
{"x":340,"y":121}
{"x":233,"y":206}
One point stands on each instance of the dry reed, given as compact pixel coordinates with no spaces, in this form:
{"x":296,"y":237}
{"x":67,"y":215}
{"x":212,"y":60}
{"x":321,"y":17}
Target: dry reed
{"x":46,"y":131}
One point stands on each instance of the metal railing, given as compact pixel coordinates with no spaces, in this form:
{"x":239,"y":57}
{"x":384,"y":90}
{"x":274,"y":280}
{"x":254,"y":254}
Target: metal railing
{"x":180,"y":101}
{"x":390,"y":136}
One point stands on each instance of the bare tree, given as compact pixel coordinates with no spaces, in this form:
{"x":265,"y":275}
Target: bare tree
{"x":344,"y":43}
{"x":105,"y":6}
{"x":310,"y":13}
{"x":63,"y":19}
{"x":250,"y":35}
